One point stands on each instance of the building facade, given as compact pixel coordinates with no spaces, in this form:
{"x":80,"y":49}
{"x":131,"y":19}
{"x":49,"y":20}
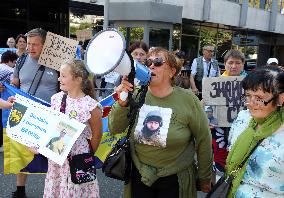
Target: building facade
{"x":256,"y":27}
{"x":19,"y":16}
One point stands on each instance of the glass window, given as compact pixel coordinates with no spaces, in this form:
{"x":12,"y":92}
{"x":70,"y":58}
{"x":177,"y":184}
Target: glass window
{"x":248,"y":45}
{"x":190,"y":45}
{"x":190,"y":28}
{"x":176,"y":36}
{"x":262,"y":4}
{"x":159,"y":38}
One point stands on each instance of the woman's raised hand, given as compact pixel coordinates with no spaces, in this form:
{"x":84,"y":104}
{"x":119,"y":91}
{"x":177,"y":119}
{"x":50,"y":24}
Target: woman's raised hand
{"x":122,"y":89}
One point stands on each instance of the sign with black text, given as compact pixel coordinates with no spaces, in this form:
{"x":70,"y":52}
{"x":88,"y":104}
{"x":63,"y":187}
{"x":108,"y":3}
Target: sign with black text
{"x":56,"y":49}
{"x":224,"y":93}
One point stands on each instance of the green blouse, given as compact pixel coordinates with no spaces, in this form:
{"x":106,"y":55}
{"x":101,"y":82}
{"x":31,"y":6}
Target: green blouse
{"x":187,"y":133}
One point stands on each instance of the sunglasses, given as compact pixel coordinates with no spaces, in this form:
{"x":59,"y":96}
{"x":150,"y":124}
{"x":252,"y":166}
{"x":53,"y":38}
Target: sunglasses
{"x":158,"y":62}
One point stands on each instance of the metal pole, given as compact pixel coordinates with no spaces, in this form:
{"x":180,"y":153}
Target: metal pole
{"x":106,"y":9}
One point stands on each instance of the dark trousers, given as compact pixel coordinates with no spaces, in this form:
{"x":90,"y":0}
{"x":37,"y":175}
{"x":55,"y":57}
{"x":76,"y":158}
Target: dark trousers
{"x":164,"y":187}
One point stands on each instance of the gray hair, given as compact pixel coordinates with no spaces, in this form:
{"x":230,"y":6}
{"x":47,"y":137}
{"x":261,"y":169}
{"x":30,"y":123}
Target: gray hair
{"x":207,"y":45}
{"x":37,"y":32}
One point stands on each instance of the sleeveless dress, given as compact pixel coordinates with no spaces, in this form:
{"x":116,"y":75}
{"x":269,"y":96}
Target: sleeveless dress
{"x":58,"y":182}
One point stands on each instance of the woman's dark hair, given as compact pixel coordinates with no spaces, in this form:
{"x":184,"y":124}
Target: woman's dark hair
{"x":264,"y":78}
{"x":20,"y":36}
{"x":138,"y":44}
{"x":180,"y":54}
{"x":8,"y":56}
{"x":280,"y":82}
{"x":234,"y":54}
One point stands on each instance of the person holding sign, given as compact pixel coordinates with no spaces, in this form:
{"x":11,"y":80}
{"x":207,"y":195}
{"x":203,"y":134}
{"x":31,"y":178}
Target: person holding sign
{"x":81,"y":106}
{"x":164,"y":166}
{"x":7,"y":104}
{"x":262,"y":173}
{"x":234,"y":61}
{"x":35,"y":79}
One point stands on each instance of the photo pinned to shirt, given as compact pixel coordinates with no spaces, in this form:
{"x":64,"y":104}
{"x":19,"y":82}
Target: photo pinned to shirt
{"x":153,"y":125}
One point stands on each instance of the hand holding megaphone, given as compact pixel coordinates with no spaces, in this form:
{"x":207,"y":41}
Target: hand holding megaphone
{"x":122,"y":91}
{"x":106,"y":53}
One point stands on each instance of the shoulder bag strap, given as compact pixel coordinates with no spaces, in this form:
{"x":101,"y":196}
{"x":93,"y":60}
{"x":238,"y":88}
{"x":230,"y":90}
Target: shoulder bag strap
{"x":63,"y":103}
{"x":210,"y":64}
{"x":36,"y":80}
{"x":244,"y":161}
{"x":62,"y":110}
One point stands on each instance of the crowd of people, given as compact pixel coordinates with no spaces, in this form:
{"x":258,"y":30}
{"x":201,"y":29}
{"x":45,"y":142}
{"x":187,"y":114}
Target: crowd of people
{"x":177,"y":146}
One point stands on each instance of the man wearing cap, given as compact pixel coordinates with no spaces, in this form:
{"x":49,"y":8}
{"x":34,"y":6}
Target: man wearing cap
{"x":272,"y":62}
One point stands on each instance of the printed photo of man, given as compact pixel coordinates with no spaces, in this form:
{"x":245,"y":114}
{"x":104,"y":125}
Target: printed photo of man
{"x":57,"y":144}
{"x":150,"y":133}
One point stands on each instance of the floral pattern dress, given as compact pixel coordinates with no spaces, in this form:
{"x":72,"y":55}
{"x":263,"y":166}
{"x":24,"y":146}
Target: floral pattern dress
{"x":58,"y":182}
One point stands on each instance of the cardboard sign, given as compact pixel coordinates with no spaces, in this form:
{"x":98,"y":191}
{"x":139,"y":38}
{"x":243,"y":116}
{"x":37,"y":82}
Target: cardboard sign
{"x":83,"y":35}
{"x":222,"y":90}
{"x":224,"y":93}
{"x":35,"y":125}
{"x":226,"y":115}
{"x":57,"y":49}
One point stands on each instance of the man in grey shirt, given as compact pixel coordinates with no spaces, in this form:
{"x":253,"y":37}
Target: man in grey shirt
{"x":35,"y":79}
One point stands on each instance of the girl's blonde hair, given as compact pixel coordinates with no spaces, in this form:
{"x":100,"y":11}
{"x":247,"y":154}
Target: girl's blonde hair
{"x":78,"y":69}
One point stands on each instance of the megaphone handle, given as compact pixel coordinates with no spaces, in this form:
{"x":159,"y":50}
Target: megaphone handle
{"x":123,"y":95}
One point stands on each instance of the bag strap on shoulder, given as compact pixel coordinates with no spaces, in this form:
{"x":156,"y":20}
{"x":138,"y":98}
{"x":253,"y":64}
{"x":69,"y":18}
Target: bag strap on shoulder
{"x":240,"y":166}
{"x":62,"y":110}
{"x":36,"y":80}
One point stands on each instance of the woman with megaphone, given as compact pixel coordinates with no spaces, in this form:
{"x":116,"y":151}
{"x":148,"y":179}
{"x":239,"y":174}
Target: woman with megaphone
{"x":165,"y":165}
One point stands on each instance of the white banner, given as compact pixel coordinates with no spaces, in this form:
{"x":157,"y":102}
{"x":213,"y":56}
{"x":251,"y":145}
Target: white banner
{"x":35,"y":125}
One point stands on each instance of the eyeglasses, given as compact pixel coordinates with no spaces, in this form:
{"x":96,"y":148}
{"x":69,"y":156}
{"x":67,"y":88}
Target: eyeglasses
{"x":212,"y":51}
{"x":158,"y":62}
{"x":259,"y":102}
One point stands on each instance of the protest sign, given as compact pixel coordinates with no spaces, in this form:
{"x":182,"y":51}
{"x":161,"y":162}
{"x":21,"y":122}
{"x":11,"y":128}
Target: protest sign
{"x":35,"y":125}
{"x":56,"y":49}
{"x":83,"y":35}
{"x":224,"y":93}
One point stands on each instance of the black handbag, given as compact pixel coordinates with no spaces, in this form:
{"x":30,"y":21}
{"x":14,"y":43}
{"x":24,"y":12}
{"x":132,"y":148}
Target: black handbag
{"x":82,"y":166}
{"x":222,"y":188}
{"x":118,"y":162}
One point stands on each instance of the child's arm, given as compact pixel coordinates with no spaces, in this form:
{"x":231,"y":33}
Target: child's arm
{"x":7,"y":104}
{"x":96,"y":127}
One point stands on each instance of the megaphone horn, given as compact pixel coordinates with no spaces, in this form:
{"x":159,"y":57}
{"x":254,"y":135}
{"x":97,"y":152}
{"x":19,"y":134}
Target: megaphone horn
{"x":106,"y":53}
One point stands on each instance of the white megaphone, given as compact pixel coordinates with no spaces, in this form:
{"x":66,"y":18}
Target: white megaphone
{"x":106,"y":52}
